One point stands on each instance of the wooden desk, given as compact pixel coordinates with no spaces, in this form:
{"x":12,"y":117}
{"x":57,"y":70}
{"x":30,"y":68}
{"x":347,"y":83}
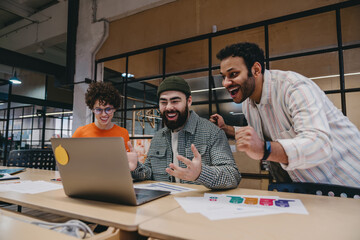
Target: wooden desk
{"x":13,"y":227}
{"x":119,"y":216}
{"x":34,"y":174}
{"x":329,"y":218}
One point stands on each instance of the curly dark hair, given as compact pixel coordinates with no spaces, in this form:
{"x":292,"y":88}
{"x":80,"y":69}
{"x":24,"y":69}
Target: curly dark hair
{"x":250,"y":52}
{"x":105,"y":92}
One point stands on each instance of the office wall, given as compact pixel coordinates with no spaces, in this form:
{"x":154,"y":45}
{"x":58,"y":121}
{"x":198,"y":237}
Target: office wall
{"x":54,"y":93}
{"x":188,"y":18}
{"x":33,"y":84}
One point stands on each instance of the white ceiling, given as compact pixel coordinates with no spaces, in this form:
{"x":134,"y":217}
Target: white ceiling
{"x":14,"y":10}
{"x":38,"y":28}
{"x":16,"y":16}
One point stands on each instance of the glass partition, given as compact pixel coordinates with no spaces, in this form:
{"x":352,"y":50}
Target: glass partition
{"x":305,"y":43}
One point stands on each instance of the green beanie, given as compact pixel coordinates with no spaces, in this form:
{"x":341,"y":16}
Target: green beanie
{"x":174,"y":83}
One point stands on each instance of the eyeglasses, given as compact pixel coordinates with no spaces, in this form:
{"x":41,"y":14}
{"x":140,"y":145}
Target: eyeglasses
{"x":108,"y":110}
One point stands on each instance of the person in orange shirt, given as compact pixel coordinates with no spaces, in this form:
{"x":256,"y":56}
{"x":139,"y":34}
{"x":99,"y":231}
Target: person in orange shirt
{"x":103,"y":99}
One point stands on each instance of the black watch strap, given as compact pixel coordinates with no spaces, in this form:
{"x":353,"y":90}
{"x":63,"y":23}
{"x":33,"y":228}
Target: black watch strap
{"x":267,"y":150}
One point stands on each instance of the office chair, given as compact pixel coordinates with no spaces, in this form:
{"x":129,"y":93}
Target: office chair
{"x":32,"y":158}
{"x":317,"y":189}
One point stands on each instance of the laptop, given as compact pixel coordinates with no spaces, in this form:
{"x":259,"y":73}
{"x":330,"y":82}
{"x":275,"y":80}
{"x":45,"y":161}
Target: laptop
{"x":98,"y":169}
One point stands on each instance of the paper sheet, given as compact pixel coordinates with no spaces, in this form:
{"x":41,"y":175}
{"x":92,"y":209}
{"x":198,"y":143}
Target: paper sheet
{"x":164,"y":187}
{"x":224,"y":206}
{"x":31,"y":187}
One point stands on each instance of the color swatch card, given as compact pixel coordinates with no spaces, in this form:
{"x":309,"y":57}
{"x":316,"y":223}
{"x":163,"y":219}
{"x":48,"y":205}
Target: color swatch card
{"x":224,"y":206}
{"x":261,"y":202}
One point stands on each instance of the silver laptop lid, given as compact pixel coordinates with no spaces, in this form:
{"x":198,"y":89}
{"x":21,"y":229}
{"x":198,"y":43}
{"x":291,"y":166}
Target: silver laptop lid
{"x":95,"y":168}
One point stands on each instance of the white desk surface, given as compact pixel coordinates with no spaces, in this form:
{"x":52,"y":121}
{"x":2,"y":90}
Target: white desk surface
{"x":14,"y":227}
{"x":120,"y":216}
{"x":329,"y":218}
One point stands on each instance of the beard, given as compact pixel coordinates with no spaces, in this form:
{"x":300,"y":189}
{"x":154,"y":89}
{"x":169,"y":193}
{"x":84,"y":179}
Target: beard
{"x":179,"y":122}
{"x":248,"y":88}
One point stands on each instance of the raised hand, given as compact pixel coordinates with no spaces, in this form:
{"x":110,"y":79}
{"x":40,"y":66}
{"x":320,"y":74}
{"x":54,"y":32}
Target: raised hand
{"x":249,"y":142}
{"x":132,"y":157}
{"x":217,"y":120}
{"x":192,"y":170}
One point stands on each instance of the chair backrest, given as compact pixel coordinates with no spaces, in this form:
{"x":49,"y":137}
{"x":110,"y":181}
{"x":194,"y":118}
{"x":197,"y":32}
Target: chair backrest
{"x":317,"y":189}
{"x":32,"y":158}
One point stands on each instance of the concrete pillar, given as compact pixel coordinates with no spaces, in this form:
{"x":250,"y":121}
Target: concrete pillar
{"x":90,"y":36}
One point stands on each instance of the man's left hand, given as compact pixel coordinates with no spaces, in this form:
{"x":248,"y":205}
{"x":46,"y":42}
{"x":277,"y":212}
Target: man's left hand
{"x":192,"y":170}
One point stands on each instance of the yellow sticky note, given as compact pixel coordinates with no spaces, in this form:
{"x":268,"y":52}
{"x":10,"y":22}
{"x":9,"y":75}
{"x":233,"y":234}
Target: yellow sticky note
{"x":61,"y":155}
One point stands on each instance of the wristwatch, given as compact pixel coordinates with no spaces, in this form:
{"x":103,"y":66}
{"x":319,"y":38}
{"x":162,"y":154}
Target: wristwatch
{"x":267,"y":150}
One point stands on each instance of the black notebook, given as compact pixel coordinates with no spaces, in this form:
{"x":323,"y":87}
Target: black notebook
{"x":6,"y":176}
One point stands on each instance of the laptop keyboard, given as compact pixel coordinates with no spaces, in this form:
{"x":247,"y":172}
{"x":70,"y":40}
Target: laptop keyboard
{"x":141,"y":196}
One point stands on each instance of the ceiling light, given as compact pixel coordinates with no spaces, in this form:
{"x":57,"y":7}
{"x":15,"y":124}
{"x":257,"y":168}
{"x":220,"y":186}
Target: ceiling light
{"x":129,"y":75}
{"x":236,"y":113}
{"x":14,"y":79}
{"x":312,"y":78}
{"x":47,"y":114}
{"x":335,"y":75}
{"x":206,"y":90}
{"x":40,"y":49}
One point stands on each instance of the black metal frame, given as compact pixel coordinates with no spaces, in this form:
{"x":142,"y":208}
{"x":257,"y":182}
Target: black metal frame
{"x":212,"y":97}
{"x":10,"y":117}
{"x":268,"y":59}
{"x":62,"y":74}
{"x":72,"y":24}
{"x":19,"y":60}
{"x":9,"y":98}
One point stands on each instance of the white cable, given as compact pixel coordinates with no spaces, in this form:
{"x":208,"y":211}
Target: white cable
{"x":71,"y":227}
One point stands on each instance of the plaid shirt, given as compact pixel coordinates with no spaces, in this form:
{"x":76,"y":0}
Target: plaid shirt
{"x":219,"y":170}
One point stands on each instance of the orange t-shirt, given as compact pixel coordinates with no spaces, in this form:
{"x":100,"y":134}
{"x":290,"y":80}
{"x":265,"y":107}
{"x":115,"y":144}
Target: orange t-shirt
{"x":91,"y":130}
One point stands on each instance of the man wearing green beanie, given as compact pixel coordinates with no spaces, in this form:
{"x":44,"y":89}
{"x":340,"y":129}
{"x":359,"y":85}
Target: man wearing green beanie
{"x":189,"y":149}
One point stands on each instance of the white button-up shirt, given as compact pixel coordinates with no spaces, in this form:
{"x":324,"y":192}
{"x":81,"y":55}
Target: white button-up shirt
{"x":322,"y":145}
